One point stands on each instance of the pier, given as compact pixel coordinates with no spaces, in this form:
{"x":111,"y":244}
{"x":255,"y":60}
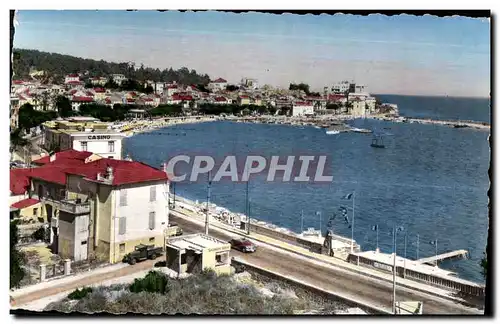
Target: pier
{"x":444,"y":256}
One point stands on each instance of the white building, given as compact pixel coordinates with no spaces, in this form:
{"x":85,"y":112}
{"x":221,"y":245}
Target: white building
{"x":118,"y":78}
{"x":106,"y":143}
{"x":248,"y":83}
{"x":341,"y":87}
{"x":370,"y":104}
{"x":217,"y":85}
{"x":72,"y":79}
{"x":358,"y":107}
{"x":302,"y":109}
{"x":359,"y":88}
{"x":106,"y":207}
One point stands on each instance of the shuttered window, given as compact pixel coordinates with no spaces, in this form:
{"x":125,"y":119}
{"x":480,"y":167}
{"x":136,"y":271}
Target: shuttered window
{"x":152,"y":216}
{"x":122,"y":225}
{"x":152,"y":193}
{"x":123,"y":197}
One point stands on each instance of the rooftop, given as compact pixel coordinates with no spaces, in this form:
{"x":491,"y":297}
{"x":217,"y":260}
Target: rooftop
{"x":77,"y":163}
{"x":197,"y":242}
{"x":25,"y":203}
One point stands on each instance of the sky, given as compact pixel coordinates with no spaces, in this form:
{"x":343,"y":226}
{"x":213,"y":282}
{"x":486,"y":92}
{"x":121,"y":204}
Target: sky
{"x":414,"y":55}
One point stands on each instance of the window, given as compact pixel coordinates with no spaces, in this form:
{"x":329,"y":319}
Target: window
{"x":111,"y":146}
{"x":183,"y":258}
{"x":110,"y":157}
{"x":122,"y":225}
{"x":122,"y":248}
{"x":35,"y":211}
{"x":84,"y":146}
{"x":84,"y":242}
{"x":152,"y":220}
{"x":152,"y":193}
{"x":123,"y":197}
{"x":151,"y":240}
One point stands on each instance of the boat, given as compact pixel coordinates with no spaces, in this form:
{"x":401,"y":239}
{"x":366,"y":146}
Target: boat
{"x":360,"y":130}
{"x":332,"y":132}
{"x":377,"y":142}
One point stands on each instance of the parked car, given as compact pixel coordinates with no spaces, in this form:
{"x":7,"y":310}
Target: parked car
{"x":243,"y":245}
{"x":143,"y":252}
{"x":174,"y":230}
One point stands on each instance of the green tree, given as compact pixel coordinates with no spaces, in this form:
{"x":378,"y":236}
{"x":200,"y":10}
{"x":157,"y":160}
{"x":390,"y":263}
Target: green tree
{"x":16,"y":258}
{"x":232,"y":88}
{"x":484,"y":264}
{"x":63,"y":106}
{"x":16,"y":140}
{"x":148,"y":89}
{"x":301,"y":86}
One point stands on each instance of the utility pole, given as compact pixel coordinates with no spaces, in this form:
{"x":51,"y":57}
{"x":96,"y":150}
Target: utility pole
{"x":418,"y":242}
{"x":248,"y":227}
{"x":352,"y":227}
{"x":320,"y":230}
{"x":247,"y":201}
{"x":404,"y":267}
{"x":436,"y":251}
{"x":394,"y":271}
{"x":173,"y":188}
{"x":207,"y":218}
{"x":301,"y":221}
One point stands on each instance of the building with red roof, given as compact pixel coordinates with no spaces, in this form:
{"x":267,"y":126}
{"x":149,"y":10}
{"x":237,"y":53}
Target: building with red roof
{"x":125,"y":201}
{"x":28,"y":210}
{"x":218,"y":84}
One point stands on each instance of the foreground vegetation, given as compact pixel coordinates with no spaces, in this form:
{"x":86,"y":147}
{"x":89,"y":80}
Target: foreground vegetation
{"x":205,"y":293}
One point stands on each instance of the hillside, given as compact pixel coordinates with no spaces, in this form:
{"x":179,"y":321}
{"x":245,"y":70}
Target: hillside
{"x":59,"y":65}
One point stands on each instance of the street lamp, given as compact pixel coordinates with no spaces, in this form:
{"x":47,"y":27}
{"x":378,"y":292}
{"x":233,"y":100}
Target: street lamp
{"x":394,"y":231}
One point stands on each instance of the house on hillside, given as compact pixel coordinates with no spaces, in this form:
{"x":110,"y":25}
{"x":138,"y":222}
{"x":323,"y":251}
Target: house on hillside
{"x":219,"y":84}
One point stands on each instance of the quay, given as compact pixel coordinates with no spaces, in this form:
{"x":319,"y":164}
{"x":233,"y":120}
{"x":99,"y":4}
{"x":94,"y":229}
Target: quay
{"x":444,"y":256}
{"x":314,"y":243}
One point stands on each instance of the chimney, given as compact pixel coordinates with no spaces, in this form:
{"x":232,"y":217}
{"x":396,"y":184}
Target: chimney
{"x":109,"y":173}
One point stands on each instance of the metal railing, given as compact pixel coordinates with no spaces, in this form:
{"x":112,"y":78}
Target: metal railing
{"x":71,"y":206}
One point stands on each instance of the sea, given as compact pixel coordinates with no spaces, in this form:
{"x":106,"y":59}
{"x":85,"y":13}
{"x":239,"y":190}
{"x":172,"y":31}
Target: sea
{"x":430,"y":180}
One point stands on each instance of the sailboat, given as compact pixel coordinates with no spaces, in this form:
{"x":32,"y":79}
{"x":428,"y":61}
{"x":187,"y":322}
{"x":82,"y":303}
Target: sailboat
{"x":377,"y":141}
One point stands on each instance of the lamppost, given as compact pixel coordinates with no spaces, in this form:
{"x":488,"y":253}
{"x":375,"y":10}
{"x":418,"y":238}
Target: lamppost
{"x":394,"y":231}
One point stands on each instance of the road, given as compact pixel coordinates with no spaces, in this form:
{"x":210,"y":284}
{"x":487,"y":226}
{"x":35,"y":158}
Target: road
{"x":377,"y":292}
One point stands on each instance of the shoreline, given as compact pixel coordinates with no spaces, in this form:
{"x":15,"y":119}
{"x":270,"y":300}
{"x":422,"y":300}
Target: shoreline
{"x":199,"y":205}
{"x":335,"y":122}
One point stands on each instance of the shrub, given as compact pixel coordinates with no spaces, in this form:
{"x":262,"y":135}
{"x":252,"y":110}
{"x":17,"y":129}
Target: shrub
{"x":79,"y":294}
{"x":153,"y":282}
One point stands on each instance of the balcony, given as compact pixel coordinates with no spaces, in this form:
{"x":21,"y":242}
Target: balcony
{"x":75,"y":207}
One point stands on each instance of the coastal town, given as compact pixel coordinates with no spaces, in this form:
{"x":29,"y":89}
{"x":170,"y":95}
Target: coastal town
{"x":78,"y":166}
{"x":346,"y":191}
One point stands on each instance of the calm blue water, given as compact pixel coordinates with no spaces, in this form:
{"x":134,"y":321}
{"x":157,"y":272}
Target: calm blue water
{"x":430,"y":179}
{"x":447,"y":108}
